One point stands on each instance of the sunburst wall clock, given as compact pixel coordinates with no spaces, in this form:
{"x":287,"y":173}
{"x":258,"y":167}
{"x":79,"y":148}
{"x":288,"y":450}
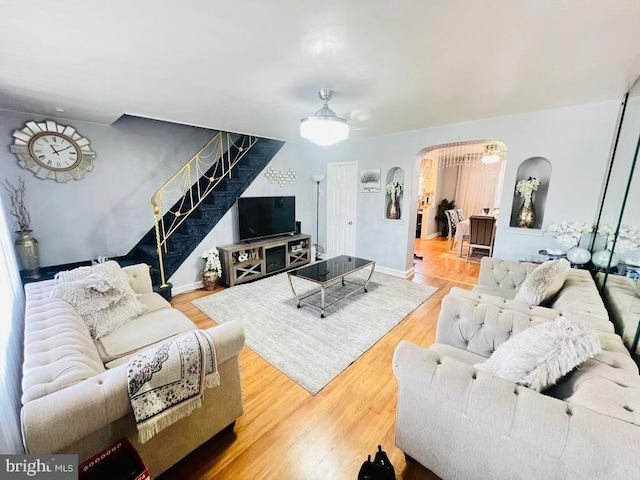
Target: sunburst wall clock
{"x":53,"y":151}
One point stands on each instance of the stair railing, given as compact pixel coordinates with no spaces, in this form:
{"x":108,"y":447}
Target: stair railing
{"x":186,"y":189}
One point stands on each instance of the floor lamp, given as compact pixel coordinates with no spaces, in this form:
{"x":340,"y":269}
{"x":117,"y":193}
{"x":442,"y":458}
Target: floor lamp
{"x":317,"y":179}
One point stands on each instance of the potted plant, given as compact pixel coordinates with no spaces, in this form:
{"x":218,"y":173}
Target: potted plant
{"x":212,"y":268}
{"x":441,"y":217}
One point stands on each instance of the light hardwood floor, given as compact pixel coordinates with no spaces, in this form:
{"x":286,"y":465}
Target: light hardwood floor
{"x":286,"y":433}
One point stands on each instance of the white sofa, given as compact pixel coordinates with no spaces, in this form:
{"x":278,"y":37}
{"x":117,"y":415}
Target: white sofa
{"x":621,"y":294}
{"x":75,"y":390}
{"x":463,"y":423}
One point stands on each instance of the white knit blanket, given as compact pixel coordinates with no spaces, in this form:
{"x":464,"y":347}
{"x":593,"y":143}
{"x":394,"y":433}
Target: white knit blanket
{"x":166,"y":383}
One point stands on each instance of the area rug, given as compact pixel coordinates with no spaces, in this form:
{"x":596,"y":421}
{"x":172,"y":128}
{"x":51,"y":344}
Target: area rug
{"x":311,"y":350}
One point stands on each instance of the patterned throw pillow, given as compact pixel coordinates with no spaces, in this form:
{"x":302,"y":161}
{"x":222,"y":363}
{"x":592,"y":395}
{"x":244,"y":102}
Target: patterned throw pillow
{"x":102,"y":296}
{"x":541,"y":355}
{"x":544,"y":282}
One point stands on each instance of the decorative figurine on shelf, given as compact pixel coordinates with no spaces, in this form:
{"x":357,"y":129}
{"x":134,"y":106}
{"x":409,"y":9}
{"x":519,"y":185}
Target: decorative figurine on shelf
{"x":243,"y":256}
{"x":212,"y":269}
{"x":525,"y":189}
{"x":394,"y":190}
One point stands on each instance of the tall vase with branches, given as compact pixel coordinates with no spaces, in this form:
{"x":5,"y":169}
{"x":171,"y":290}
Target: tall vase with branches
{"x":27,"y":246}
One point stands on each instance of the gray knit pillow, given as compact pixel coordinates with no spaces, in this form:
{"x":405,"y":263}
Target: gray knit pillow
{"x":101,"y":295}
{"x":540,"y":355}
{"x":544,"y":282}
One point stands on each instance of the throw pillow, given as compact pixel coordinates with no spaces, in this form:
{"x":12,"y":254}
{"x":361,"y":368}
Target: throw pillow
{"x":544,"y":282}
{"x":102,"y":296}
{"x":540,"y":355}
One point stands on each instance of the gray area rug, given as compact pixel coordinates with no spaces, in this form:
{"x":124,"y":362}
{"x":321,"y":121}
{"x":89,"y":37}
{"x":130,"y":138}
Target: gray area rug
{"x":311,"y":350}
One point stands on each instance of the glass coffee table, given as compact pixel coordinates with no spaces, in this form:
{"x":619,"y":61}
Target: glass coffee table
{"x":327,"y":273}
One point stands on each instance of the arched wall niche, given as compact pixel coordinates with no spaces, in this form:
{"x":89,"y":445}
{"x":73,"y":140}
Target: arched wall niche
{"x":394,"y":174}
{"x":532,"y":167}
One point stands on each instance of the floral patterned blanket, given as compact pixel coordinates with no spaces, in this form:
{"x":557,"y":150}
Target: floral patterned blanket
{"x":166,"y":383}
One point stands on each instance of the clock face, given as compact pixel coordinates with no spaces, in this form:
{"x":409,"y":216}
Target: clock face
{"x":55,"y":152}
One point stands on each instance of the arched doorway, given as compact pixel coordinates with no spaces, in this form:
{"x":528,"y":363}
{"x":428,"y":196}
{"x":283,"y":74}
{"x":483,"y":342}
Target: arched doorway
{"x":466,"y":174}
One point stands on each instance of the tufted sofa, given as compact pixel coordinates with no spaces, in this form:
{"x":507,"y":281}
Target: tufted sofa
{"x":75,"y":390}
{"x":621,"y":294}
{"x":467,"y":424}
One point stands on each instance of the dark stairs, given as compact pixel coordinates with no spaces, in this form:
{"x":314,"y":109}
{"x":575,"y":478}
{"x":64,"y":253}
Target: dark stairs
{"x":202,"y":220}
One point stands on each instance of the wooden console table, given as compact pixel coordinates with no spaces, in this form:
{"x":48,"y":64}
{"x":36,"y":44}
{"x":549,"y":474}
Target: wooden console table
{"x":243,"y":262}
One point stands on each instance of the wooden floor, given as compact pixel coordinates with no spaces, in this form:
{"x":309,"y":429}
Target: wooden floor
{"x":286,"y":433}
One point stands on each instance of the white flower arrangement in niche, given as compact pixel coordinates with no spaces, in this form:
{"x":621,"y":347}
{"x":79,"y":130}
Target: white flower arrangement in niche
{"x":568,"y":234}
{"x":394,"y":189}
{"x":525,"y":188}
{"x":212,"y":258}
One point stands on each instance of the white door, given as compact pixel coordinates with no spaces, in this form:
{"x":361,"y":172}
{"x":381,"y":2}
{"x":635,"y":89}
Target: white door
{"x":342,"y":191}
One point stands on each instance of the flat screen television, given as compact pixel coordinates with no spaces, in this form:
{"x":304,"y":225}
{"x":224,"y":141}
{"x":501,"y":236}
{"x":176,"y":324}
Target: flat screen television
{"x":262,"y":217}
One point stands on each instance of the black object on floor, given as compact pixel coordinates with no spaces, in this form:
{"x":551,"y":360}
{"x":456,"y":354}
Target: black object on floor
{"x":379,"y":469}
{"x":417,"y":257}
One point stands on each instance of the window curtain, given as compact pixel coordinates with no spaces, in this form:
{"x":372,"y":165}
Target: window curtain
{"x":479,"y":187}
{"x":11,"y":337}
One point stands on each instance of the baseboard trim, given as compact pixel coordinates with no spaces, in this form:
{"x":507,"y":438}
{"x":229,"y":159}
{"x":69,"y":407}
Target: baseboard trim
{"x":395,"y":273}
{"x":190,"y":287}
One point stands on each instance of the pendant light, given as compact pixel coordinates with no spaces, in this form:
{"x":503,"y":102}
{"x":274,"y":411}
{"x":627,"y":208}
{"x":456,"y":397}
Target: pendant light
{"x":325,"y":127}
{"x":490,"y":154}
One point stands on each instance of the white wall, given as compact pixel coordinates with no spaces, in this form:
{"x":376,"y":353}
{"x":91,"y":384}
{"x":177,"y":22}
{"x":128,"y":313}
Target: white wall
{"x":292,"y":155}
{"x":109,"y":211}
{"x":576,"y":140}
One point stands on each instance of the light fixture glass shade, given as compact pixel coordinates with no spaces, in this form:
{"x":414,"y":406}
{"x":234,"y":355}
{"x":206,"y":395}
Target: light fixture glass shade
{"x":325,"y":127}
{"x":317,"y":178}
{"x":324,"y":131}
{"x":491,"y":158}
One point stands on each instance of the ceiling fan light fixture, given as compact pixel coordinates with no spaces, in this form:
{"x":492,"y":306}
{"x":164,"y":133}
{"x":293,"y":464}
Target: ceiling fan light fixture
{"x":491,"y":154}
{"x":324,"y":128}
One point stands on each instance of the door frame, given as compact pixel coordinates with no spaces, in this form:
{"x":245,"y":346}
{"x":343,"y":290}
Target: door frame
{"x":355,"y":186}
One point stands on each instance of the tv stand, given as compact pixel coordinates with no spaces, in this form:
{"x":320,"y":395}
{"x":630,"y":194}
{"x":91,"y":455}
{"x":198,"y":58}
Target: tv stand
{"x":246,"y":261}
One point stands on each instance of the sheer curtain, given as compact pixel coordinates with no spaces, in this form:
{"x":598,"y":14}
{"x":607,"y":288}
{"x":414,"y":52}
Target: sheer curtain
{"x":479,"y":187}
{"x":11,"y":335}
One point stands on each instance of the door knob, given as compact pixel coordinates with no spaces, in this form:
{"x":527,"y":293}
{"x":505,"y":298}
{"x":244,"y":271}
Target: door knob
{"x":350,"y":222}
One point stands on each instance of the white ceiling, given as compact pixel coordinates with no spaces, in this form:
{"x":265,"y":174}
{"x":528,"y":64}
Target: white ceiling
{"x":255,"y":66}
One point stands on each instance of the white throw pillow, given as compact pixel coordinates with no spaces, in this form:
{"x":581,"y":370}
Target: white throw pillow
{"x":544,"y":282}
{"x":102,"y":296}
{"x":540,"y":355}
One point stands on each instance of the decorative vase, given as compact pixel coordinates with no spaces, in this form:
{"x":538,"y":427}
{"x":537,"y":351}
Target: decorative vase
{"x":28,"y":252}
{"x":393,"y":210}
{"x":578,"y":256}
{"x":209,"y":280}
{"x":526,"y":215}
{"x":601,"y":259}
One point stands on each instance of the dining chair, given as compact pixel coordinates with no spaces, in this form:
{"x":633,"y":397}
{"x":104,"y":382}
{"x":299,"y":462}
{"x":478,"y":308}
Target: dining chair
{"x":460,"y":214}
{"x":452,"y":223}
{"x":481,"y":233}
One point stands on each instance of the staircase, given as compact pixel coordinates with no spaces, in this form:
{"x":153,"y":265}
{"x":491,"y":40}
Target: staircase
{"x":200,"y":193}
